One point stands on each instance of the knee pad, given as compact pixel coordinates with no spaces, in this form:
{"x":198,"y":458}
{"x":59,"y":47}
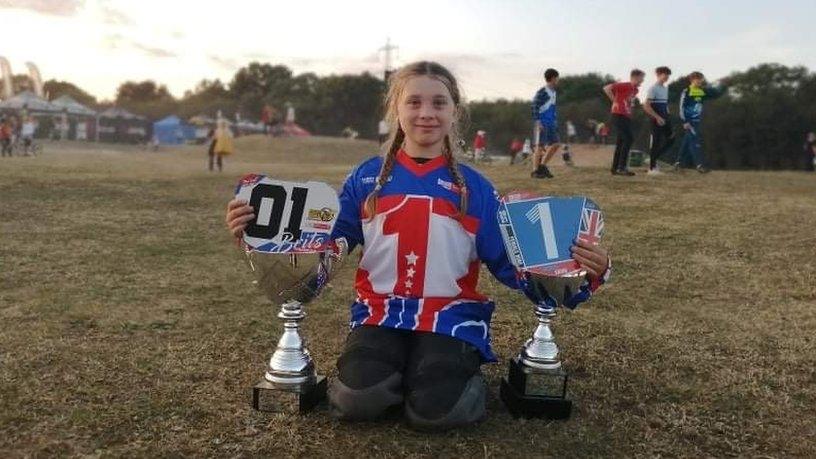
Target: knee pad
{"x":369,"y":374}
{"x":365,"y":404}
{"x":442,"y":377}
{"x":468,"y":408}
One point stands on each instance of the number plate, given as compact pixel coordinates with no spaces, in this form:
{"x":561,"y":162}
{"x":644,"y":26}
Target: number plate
{"x":290,"y":217}
{"x":538,"y":231}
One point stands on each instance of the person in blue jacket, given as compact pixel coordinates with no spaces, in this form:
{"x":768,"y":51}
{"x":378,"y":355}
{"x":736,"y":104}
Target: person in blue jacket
{"x":691,"y":114}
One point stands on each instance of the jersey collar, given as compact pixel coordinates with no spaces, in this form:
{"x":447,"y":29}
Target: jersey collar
{"x":420,"y":169}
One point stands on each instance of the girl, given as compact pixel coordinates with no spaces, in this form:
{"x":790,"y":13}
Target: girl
{"x":420,"y":329}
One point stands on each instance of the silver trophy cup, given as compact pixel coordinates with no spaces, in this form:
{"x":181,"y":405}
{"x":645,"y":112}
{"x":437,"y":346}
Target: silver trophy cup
{"x":536,"y":385}
{"x":290,"y":383}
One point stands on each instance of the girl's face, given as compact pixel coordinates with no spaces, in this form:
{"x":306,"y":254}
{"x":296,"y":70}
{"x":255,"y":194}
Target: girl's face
{"x":425,"y":111}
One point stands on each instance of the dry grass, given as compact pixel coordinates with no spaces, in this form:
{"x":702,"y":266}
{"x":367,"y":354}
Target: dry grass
{"x":130,"y":327}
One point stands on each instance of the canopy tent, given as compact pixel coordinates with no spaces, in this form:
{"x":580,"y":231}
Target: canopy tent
{"x":81,"y":119}
{"x":29,"y":101}
{"x":172,"y":131}
{"x":72,"y":106}
{"x":119,"y":125}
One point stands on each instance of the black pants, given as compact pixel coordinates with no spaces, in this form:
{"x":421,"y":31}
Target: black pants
{"x":623,"y":124}
{"x":5,"y":146}
{"x":662,"y":140}
{"x":434,"y":378}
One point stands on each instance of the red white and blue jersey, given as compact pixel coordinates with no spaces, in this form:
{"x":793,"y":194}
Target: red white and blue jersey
{"x":420,"y":261}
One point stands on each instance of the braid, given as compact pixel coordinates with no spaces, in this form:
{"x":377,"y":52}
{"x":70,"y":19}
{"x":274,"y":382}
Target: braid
{"x":385,"y":171}
{"x":458,"y":179}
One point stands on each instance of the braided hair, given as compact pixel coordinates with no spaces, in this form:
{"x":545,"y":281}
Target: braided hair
{"x":451,"y":142}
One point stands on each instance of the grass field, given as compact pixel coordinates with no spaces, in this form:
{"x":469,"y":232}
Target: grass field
{"x":130,"y":326}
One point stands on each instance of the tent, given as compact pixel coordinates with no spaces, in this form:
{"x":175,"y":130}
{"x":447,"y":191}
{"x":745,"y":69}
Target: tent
{"x":172,"y":131}
{"x":81,"y":119}
{"x":119,"y":125}
{"x":72,"y":106}
{"x":29,"y":101}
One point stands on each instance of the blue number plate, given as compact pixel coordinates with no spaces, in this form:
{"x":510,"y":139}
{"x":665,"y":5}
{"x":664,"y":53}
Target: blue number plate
{"x":538,"y":231}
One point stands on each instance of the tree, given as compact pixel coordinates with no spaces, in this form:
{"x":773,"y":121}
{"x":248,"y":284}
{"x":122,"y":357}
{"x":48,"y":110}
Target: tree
{"x":147,"y":91}
{"x":55,"y":89}
{"x":146,"y":98}
{"x":587,"y":86}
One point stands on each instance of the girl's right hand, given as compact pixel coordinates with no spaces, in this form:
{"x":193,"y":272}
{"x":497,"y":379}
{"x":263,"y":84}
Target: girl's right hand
{"x":239,"y":213}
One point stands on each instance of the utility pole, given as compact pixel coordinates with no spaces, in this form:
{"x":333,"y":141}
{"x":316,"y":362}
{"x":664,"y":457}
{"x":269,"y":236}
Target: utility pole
{"x":387,"y":51}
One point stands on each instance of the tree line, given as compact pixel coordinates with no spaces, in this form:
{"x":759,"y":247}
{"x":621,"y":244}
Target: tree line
{"x":760,"y":122}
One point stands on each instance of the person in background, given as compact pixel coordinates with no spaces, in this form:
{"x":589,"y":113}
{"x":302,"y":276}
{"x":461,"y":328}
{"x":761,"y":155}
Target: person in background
{"x":479,"y":145}
{"x":622,"y":94}
{"x":572,"y":133}
{"x":603,"y":133}
{"x":5,"y":136}
{"x":691,"y":112}
{"x":657,"y":107}
{"x":810,"y":151}
{"x":222,"y":145}
{"x":27,"y":134}
{"x":545,"y":118}
{"x":515,"y":148}
{"x":382,"y":131}
{"x":266,"y":119}
{"x":567,"y":156}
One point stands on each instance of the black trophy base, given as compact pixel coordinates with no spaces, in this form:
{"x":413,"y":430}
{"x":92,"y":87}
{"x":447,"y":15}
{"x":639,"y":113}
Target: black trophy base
{"x":273,"y":398}
{"x":531,"y":393}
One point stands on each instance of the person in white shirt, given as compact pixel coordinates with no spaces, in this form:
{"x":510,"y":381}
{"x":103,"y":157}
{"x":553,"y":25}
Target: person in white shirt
{"x":382,"y":131}
{"x":27,"y":133}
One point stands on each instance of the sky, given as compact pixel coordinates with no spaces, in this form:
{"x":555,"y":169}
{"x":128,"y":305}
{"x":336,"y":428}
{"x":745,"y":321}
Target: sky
{"x":497,"y":49}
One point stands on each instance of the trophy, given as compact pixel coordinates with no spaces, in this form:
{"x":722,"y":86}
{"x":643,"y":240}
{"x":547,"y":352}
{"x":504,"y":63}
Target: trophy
{"x":538,"y":233}
{"x":291,"y":266}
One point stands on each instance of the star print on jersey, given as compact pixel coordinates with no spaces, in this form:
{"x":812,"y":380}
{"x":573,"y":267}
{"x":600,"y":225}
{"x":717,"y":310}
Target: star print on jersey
{"x":412,"y":258}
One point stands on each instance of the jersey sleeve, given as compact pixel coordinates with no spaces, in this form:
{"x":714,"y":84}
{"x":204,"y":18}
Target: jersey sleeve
{"x":489,"y":244}
{"x":682,"y":104}
{"x":541,"y":98}
{"x":586,"y":290}
{"x":349,"y":224}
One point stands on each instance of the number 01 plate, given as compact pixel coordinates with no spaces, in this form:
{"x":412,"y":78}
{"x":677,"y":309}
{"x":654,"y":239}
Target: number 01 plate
{"x":290,"y":217}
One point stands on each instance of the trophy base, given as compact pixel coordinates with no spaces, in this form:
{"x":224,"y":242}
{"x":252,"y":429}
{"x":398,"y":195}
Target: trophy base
{"x":276,"y":398}
{"x":532,"y":393}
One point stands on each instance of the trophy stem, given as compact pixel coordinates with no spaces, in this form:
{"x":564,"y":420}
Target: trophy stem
{"x":291,"y":364}
{"x":540,"y":351}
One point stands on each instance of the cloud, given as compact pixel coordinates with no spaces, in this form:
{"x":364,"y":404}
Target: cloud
{"x":113,"y":16}
{"x":152,"y":51}
{"x":116,"y":41}
{"x":52,"y":7}
{"x":223,"y":62}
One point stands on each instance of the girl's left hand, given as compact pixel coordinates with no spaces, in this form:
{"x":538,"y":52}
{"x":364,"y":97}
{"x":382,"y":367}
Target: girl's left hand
{"x":592,"y":257}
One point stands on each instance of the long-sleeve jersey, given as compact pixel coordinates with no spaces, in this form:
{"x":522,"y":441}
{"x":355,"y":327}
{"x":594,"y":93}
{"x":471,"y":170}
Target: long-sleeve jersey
{"x":544,"y":109}
{"x":420,"y":261}
{"x":691,"y":102}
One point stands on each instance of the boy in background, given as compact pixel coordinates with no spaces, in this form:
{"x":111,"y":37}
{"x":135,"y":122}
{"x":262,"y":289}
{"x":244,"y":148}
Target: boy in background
{"x":691,"y":112}
{"x":545,"y":138}
{"x":657,"y":107}
{"x":622,"y":94}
